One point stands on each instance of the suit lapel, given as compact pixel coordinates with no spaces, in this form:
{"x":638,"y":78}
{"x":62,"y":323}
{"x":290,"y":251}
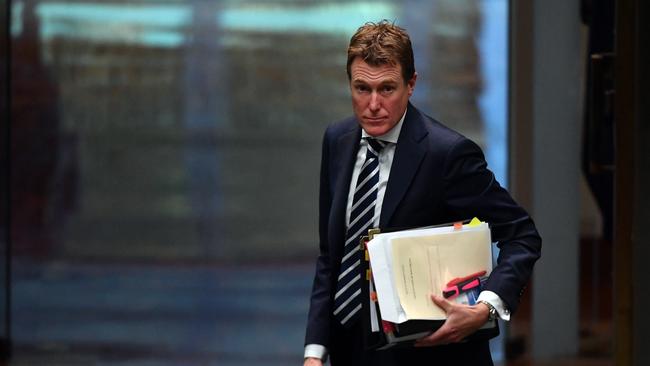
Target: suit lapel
{"x":348,"y":144}
{"x":408,"y":155}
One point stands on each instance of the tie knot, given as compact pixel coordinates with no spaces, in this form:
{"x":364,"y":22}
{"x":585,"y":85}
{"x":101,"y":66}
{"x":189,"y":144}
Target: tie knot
{"x":376,"y":145}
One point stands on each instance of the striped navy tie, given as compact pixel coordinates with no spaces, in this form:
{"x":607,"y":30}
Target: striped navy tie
{"x":347,"y":300}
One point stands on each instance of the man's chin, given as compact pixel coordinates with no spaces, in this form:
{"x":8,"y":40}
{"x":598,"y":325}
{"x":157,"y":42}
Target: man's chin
{"x":375,"y":129}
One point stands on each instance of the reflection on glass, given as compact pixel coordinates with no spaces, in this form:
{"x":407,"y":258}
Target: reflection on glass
{"x":158,"y":145}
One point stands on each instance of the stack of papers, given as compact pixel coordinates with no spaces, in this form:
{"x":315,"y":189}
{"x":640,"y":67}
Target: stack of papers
{"x":409,"y":266}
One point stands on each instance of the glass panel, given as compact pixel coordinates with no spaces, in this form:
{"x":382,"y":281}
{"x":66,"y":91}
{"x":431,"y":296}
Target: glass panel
{"x":166,"y":158}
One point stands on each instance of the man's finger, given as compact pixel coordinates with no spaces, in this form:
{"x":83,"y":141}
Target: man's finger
{"x":445,"y":304}
{"x":428,"y":342}
{"x":433,"y":339}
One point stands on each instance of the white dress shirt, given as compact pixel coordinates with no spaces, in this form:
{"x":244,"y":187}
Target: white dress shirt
{"x":385,"y":162}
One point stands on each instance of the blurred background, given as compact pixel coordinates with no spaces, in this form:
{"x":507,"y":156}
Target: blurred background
{"x":160,"y":168}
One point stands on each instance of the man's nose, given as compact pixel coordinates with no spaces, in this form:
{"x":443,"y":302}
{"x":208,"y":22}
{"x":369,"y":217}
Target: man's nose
{"x":375,"y":103}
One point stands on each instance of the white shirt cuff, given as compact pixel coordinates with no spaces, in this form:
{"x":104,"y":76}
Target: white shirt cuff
{"x":316,"y":351}
{"x":495,"y":300}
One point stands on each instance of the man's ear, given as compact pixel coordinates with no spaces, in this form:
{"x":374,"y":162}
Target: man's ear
{"x":411,"y":83}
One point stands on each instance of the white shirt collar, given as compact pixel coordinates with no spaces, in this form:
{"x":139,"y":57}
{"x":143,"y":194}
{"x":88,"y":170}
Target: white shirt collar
{"x":392,"y":135}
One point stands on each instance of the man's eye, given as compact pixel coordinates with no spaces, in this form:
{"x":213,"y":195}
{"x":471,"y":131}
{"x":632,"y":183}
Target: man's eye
{"x":361,"y":88}
{"x":387,"y":89}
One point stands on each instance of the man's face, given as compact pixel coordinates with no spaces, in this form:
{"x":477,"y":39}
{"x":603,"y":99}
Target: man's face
{"x":379,"y":95}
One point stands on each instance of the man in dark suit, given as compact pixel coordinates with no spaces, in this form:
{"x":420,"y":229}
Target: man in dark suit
{"x":391,"y":166}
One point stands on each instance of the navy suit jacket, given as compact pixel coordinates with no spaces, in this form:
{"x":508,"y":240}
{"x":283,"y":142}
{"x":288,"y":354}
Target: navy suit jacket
{"x":437,"y":176}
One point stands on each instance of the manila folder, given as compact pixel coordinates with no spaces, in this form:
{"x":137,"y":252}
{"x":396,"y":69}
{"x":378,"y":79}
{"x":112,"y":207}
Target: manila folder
{"x":423,"y":263}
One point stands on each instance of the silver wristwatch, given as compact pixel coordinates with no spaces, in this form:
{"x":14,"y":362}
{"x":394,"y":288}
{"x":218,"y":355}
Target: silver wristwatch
{"x":492,"y":310}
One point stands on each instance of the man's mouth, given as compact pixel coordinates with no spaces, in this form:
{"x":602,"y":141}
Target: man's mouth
{"x":375,"y":119}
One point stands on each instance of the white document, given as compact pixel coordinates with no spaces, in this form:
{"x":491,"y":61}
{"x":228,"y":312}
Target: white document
{"x":408,"y":266}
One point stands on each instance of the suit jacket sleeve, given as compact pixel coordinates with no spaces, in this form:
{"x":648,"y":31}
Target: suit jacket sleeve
{"x":318,"y":323}
{"x":470,"y":189}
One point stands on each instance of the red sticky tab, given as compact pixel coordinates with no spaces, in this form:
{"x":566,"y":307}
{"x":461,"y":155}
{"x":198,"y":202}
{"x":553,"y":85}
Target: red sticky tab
{"x":458,"y":225}
{"x":388,"y":326}
{"x":373,"y":296}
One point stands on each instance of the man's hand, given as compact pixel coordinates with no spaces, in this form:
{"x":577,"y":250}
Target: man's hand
{"x":311,"y":361}
{"x":462,"y":320}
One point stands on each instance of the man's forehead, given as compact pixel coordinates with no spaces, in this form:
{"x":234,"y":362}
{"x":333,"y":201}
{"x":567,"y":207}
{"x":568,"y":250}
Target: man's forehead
{"x":364,"y":72}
